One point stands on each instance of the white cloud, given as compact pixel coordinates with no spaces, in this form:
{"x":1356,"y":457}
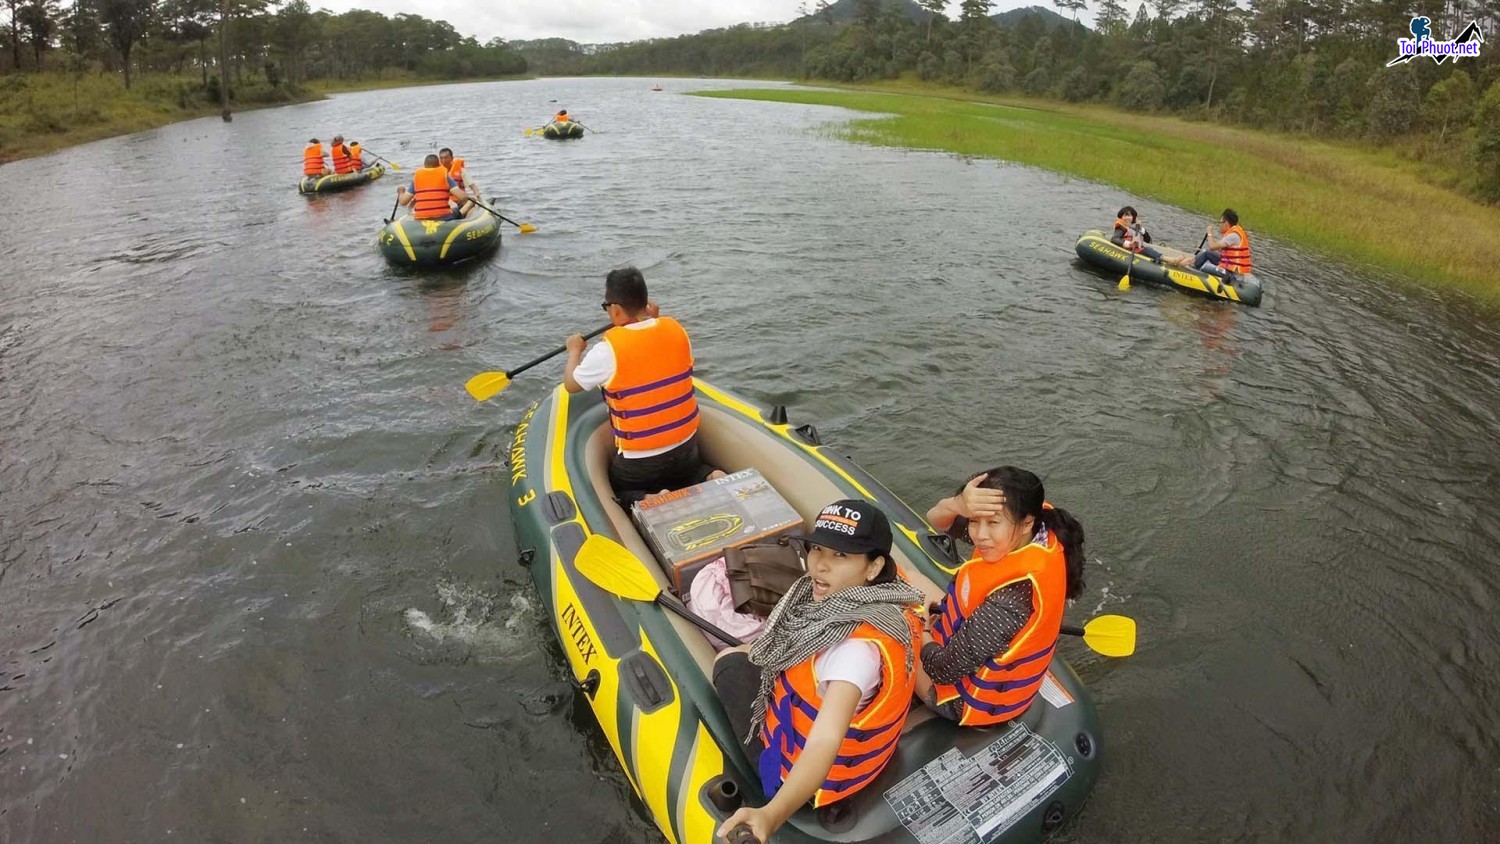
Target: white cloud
{"x":595,"y":21}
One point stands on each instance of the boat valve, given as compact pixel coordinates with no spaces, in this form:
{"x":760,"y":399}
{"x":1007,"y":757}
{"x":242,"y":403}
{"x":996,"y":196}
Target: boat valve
{"x":724,"y":793}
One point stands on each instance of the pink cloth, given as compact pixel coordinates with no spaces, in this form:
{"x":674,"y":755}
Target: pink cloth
{"x":709,"y":598}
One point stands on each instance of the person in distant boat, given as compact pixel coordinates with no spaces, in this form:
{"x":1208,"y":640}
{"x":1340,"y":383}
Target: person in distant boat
{"x":1228,"y":251}
{"x":312,"y":159}
{"x":343,"y":158}
{"x":357,"y":155}
{"x":430,"y":191}
{"x":454,"y":166}
{"x":645,"y":366}
{"x":991,"y":637}
{"x":1129,"y":234}
{"x":820,"y":698}
{"x":561,"y":116}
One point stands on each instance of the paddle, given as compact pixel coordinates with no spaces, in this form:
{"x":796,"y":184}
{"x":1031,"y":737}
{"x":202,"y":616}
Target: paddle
{"x":1110,"y":635}
{"x":614,"y":569}
{"x":611,"y":567}
{"x":394,"y":208}
{"x":486,"y":384}
{"x":526,"y":228}
{"x":1125,"y":280}
{"x":394,"y":165}
{"x":595,"y":131}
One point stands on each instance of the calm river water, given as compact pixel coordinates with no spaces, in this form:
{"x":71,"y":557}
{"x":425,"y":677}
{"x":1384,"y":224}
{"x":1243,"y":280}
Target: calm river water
{"x":258,"y":582}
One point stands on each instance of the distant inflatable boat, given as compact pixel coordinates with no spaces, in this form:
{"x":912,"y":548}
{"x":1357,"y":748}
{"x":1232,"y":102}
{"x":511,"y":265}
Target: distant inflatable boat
{"x":562,"y":131}
{"x":341,"y":181}
{"x":1096,"y":249}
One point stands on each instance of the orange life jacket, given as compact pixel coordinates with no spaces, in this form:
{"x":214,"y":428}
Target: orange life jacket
{"x":312,"y":160}
{"x":341,"y":159}
{"x":358,"y":156}
{"x":650,"y":398}
{"x":456,"y":171}
{"x":871,"y":738}
{"x":1236,"y":259}
{"x":561,"y":117}
{"x":430,"y":186}
{"x":1131,"y":240}
{"x":1005,"y":684}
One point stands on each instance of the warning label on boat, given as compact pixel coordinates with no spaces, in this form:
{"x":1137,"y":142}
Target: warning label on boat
{"x":958,"y":799}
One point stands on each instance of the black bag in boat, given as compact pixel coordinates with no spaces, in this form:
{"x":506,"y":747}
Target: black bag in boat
{"x":760,"y":573}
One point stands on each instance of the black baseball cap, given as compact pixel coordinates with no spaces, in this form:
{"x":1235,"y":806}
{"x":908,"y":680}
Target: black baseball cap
{"x":852,"y":526}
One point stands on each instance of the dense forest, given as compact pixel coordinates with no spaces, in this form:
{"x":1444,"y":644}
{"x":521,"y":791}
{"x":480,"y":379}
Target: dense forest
{"x":267,"y":49}
{"x":1313,"y":67}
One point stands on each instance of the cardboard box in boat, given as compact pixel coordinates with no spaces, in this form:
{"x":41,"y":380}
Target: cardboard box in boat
{"x":689,"y":527}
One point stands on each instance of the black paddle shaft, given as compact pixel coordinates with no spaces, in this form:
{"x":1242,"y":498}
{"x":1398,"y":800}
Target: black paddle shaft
{"x":517,"y":225}
{"x":555,"y":352}
{"x":702,"y":624}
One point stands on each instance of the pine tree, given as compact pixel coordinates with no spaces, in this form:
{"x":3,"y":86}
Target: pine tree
{"x":1074,"y":6}
{"x":935,"y":9}
{"x":1111,"y":18}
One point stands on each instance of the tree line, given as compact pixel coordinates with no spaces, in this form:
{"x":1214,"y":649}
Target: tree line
{"x":1313,"y":67}
{"x":280,"y":45}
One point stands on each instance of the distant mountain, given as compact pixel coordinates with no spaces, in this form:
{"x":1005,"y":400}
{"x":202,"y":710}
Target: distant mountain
{"x":1049,"y":18}
{"x":844,"y":10}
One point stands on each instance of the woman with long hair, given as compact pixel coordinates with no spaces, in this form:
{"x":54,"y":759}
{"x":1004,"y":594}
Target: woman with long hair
{"x":992,"y":636}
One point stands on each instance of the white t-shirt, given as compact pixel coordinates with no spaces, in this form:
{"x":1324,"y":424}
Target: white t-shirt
{"x":1231,"y":239}
{"x":598,"y":366}
{"x":854,"y":661}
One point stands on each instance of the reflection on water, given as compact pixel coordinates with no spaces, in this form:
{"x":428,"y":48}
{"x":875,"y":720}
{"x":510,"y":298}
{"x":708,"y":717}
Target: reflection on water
{"x":257,"y":580}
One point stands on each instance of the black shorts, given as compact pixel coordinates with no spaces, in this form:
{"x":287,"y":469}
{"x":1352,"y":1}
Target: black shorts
{"x":635,"y":478}
{"x":737,"y":681}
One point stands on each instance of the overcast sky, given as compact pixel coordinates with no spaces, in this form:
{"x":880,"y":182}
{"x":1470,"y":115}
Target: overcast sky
{"x":595,"y":21}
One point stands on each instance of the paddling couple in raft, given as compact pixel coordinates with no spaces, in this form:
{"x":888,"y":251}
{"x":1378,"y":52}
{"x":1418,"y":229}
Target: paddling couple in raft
{"x":820,"y":698}
{"x":1227,"y":252}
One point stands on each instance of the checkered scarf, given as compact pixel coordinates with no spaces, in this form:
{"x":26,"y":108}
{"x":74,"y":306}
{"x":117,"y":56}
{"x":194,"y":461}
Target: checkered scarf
{"x":799,"y":628}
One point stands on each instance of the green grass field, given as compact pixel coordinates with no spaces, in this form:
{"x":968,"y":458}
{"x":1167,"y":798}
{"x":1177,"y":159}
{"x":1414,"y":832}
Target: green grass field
{"x":1363,"y":206}
{"x":46,"y":112}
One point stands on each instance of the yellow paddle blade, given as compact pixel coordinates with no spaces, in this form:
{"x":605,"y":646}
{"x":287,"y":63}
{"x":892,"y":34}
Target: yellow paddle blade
{"x":611,"y":567}
{"x":487,"y":384}
{"x":1111,"y":635}
{"x":1125,"y":282}
{"x":527,"y":228}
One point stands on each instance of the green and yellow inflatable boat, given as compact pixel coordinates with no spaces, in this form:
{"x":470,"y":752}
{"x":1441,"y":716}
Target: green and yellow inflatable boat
{"x":562,"y":130}
{"x":647,"y":673}
{"x":345,"y":181}
{"x":1096,"y":249}
{"x":408,"y":242}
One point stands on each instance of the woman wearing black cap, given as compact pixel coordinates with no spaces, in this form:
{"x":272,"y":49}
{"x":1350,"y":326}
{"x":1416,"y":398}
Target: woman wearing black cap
{"x":821,"y":697}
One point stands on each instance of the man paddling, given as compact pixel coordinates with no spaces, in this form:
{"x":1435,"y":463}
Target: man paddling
{"x":645,"y":366}
{"x":455,"y":168}
{"x":343,"y":158}
{"x":430,"y":191}
{"x":1228,"y":251}
{"x":312,"y":159}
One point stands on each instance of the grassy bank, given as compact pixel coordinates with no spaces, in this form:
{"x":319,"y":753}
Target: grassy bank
{"x":1359,"y":205}
{"x":45,"y":112}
